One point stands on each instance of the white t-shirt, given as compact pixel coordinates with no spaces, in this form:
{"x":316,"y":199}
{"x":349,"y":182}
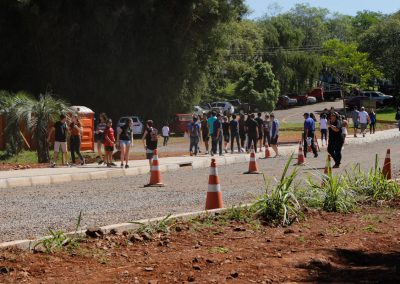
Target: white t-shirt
{"x":165,"y":131}
{"x":363,"y":116}
{"x":323,"y":123}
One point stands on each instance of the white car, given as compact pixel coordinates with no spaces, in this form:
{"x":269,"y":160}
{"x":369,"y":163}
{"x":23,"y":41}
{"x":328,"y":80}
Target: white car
{"x":311,"y":100}
{"x":223,"y":106}
{"x":137,"y":128}
{"x":199,"y":110}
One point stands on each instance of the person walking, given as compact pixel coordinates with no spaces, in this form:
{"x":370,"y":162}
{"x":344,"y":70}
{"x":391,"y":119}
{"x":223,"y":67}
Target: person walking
{"x":99,"y":136}
{"x":364,"y":119}
{"x":323,"y":126}
{"x":225,"y":132}
{"x":266,"y":126}
{"x":260,"y":123}
{"x":217,"y":136}
{"x":355,"y":118}
{"x":308,"y":135}
{"x":372,"y":121}
{"x":76,"y":129}
{"x":150,"y":140}
{"x":125,"y":140}
{"x":274,"y":133}
{"x":60,"y":131}
{"x":234,"y":131}
{"x":109,"y":143}
{"x":242,"y":131}
{"x":194,"y":133}
{"x":165,"y":134}
{"x":205,"y":133}
{"x":345,"y":124}
{"x":210,"y":122}
{"x":335,"y":142}
{"x":252,"y":132}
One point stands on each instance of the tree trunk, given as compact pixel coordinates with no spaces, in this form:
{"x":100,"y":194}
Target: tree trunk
{"x":43,"y":148}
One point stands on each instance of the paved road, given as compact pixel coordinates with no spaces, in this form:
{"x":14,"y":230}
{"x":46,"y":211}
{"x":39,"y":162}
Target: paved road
{"x":28,"y":212}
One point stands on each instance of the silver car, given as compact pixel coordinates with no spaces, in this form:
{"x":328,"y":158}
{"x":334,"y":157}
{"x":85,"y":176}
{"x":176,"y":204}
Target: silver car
{"x":137,"y":128}
{"x":223,"y":106}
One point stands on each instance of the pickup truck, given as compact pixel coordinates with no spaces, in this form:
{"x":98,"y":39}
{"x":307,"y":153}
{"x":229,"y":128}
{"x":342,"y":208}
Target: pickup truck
{"x":243,"y":107}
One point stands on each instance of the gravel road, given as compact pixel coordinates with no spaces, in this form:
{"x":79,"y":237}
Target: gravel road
{"x":28,"y":212}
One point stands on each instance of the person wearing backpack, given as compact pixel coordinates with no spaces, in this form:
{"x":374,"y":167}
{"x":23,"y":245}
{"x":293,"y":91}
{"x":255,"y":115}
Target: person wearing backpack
{"x":150,"y":140}
{"x":194,"y":132}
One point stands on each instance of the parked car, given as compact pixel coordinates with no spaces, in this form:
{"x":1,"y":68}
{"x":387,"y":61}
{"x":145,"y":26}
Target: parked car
{"x":241,"y":107}
{"x":223,"y":106}
{"x":311,"y":100}
{"x":199,"y":110}
{"x":317,"y":93}
{"x":380,"y":98}
{"x":285,"y":102}
{"x":137,"y":128}
{"x":180,"y":123}
{"x":301,"y":99}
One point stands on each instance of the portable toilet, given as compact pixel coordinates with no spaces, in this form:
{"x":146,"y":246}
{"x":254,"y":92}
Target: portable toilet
{"x":86,"y":116}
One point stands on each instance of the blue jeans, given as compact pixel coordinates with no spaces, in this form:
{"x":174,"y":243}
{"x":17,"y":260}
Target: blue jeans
{"x":194,"y":142}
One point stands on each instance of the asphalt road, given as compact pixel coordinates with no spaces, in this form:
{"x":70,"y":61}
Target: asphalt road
{"x":28,"y":212}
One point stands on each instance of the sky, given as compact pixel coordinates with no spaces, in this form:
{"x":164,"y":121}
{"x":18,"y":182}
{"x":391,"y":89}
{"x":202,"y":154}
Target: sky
{"x":347,"y":7}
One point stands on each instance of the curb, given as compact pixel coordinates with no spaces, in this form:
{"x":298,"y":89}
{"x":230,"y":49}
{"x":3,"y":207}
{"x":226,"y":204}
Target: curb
{"x":119,"y":228}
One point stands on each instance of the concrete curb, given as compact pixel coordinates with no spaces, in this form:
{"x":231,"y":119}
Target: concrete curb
{"x":119,"y":228}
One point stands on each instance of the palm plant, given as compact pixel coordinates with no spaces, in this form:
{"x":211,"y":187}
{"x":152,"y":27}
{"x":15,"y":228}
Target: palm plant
{"x":37,"y":115}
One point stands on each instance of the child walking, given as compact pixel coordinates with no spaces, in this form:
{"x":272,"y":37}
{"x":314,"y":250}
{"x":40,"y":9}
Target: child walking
{"x":323,"y":125}
{"x":165,"y":134}
{"x":109,"y":142}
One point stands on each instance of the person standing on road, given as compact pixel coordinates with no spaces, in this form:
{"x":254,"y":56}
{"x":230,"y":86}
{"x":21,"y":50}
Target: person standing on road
{"x":335,"y":142}
{"x":99,"y":136}
{"x":60,"y":131}
{"x":194,"y":132}
{"x":217,"y":136}
{"x":242,"y":131}
{"x":109,"y":142}
{"x":234,"y":131}
{"x":323,"y":126}
{"x":266,"y":126}
{"x":125,"y":140}
{"x":308,"y":135}
{"x":165,"y":134}
{"x":355,"y":118}
{"x":364,"y":119}
{"x":225,"y":131}
{"x":372,"y":119}
{"x":205,"y":133}
{"x":260,"y":123}
{"x":274,"y":133}
{"x":150,"y":140}
{"x":76,"y":130}
{"x":252,"y":132}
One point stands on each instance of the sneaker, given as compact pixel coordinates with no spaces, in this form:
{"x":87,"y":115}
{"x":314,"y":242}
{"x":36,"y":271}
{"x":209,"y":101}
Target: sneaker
{"x":113,"y":164}
{"x":316,"y":156}
{"x":52,"y":165}
{"x":122,"y":165}
{"x":83,"y":163}
{"x":207,"y":153}
{"x":221,"y":154}
{"x":126,"y":166}
{"x":226,"y":151}
{"x":336,"y":166}
{"x":100,"y":162}
{"x":363,"y":134}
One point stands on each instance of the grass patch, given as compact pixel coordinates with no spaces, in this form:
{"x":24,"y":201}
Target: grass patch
{"x":387,"y":114}
{"x":221,"y":250}
{"x":30,"y":157}
{"x":370,"y":229}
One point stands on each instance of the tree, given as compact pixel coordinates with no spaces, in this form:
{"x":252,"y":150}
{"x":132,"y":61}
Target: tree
{"x":38,"y":115}
{"x":345,"y":61}
{"x":365,"y":19}
{"x":258,"y":86}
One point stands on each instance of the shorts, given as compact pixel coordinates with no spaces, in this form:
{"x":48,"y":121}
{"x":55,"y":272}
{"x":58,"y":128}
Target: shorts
{"x":99,"y":138}
{"x":206,"y":138}
{"x":355,"y":125}
{"x":226,"y":137}
{"x":109,"y":148}
{"x":274,"y":140}
{"x":149,"y":154}
{"x":363,"y":125}
{"x":57,"y":145}
{"x":126,"y":143}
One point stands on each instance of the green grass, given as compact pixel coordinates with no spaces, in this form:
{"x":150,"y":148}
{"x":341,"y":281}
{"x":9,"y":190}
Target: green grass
{"x":30,"y":157}
{"x":387,"y":114}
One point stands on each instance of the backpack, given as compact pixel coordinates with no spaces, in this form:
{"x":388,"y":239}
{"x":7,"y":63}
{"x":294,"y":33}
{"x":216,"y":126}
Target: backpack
{"x":153,"y":134}
{"x":193,"y":129}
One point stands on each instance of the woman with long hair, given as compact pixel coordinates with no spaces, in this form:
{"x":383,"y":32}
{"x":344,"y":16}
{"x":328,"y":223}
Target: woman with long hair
{"x":125,"y":140}
{"x":99,"y":135}
{"x":335,"y":142}
{"x":76,"y":130}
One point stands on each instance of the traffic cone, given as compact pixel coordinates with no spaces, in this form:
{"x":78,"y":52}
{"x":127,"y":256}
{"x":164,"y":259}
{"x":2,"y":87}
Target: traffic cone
{"x":253,"y":169}
{"x":300,"y":157}
{"x":155,"y":174}
{"x":387,"y":166}
{"x":214,"y":194}
{"x":267,"y":151}
{"x":328,"y":168}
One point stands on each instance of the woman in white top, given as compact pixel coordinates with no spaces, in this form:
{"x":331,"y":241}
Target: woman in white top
{"x":323,"y":125}
{"x":165,"y":134}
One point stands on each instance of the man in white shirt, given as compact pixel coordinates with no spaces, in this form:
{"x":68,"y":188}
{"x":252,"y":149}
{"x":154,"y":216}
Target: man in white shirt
{"x":364,"y":119}
{"x":165,"y":134}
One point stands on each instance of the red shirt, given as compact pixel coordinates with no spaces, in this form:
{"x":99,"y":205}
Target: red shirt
{"x":109,"y":132}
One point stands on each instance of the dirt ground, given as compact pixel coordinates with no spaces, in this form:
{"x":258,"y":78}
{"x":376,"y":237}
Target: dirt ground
{"x":362,"y":247}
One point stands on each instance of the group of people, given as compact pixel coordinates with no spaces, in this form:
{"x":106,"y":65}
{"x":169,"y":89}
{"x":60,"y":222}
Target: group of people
{"x":227,"y":131}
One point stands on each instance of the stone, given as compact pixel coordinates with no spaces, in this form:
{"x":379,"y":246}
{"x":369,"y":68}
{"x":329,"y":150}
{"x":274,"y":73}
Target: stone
{"x":94,"y":232}
{"x":178,"y":229}
{"x":148,"y":268}
{"x":234,"y":274}
{"x":191,"y":278}
{"x":239,"y":229}
{"x":136,"y":238}
{"x":288,"y":231}
{"x":146,"y":236}
{"x":113,"y":232}
{"x":196,"y":267}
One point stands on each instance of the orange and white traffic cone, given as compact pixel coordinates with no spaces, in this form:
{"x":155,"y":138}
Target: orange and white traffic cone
{"x":267,"y":151}
{"x":387,"y":166}
{"x":214,"y":194}
{"x":155,"y":174}
{"x":253,"y":169}
{"x":300,"y":157}
{"x":328,"y":168}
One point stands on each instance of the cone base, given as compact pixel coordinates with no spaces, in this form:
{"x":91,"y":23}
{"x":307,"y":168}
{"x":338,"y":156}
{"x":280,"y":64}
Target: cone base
{"x":252,"y":173}
{"x":155,"y":185}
